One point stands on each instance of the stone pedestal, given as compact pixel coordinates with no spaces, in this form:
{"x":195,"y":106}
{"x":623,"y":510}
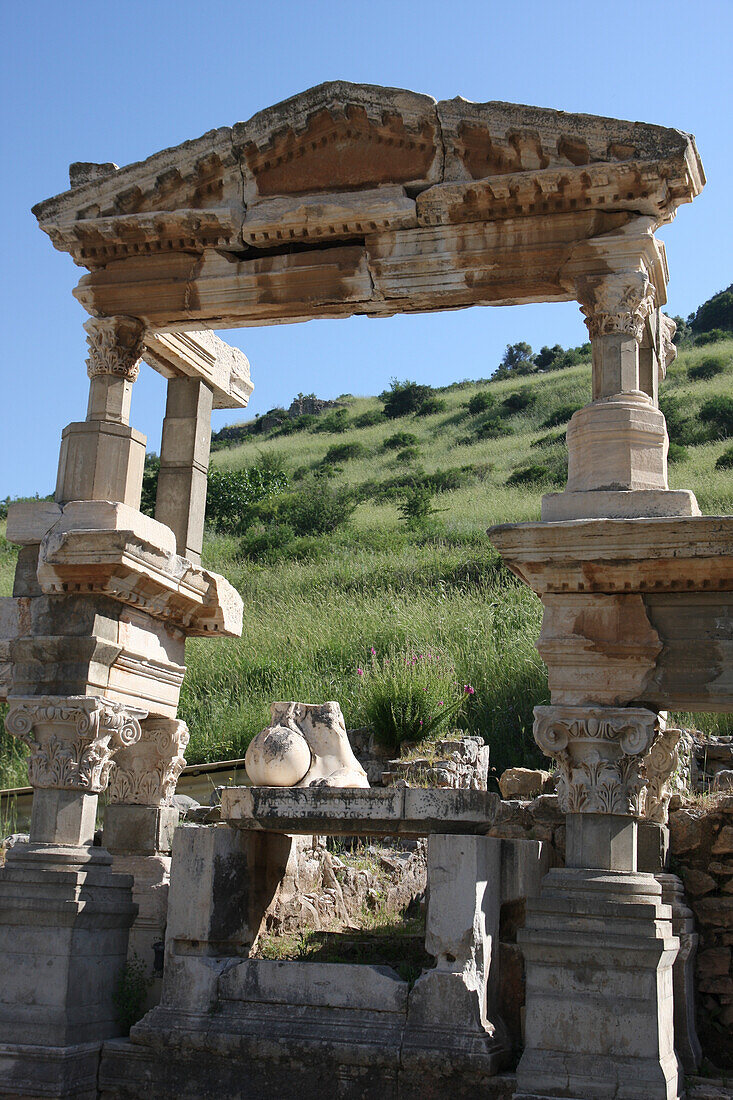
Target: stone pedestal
{"x":598,"y":943}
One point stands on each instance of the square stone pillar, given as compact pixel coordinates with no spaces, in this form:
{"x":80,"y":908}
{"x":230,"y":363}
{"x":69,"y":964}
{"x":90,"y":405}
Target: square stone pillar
{"x":64,"y":915}
{"x":102,"y":458}
{"x":184,"y":462}
{"x":598,"y":942}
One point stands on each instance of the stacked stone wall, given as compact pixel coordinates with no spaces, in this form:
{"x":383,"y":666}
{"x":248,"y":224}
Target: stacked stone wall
{"x":701,"y":853}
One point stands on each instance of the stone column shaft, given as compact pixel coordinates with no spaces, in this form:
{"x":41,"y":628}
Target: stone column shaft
{"x":102,"y":458}
{"x":184,"y":463}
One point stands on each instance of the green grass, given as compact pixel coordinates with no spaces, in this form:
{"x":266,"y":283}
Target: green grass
{"x":310,"y":619}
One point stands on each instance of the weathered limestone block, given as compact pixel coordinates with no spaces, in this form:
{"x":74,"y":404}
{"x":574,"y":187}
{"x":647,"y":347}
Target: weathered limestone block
{"x":451,"y":1017}
{"x":523,"y":782}
{"x":347,"y":811}
{"x":305,"y":745}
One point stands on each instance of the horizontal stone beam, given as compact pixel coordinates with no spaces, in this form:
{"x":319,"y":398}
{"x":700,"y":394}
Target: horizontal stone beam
{"x":351,"y":811}
{"x":203,"y":355}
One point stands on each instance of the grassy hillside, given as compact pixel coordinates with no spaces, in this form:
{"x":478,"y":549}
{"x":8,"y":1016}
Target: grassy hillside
{"x":317,"y":604}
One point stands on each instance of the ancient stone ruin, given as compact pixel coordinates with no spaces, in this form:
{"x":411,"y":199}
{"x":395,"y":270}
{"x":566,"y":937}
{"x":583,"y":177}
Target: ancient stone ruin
{"x":351,"y":199}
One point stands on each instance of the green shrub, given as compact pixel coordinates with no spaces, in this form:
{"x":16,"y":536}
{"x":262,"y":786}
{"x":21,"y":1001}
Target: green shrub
{"x":707,"y":368}
{"x":725,"y":462}
{"x":481,"y":402}
{"x":520,"y":400}
{"x":417,"y":506}
{"x":335,"y":422}
{"x":409,"y":454}
{"x":399,"y":441}
{"x":677,"y":453}
{"x":431,"y":406}
{"x":683,"y":427}
{"x":151,"y":470}
{"x":548,"y":440}
{"x":266,"y":542}
{"x":319,"y":507}
{"x":718,"y":412}
{"x":529,"y":475}
{"x":715,"y":336}
{"x":561,"y":415}
{"x":409,"y":695}
{"x":404,"y":397}
{"x":343,"y":452}
{"x":232,"y":493}
{"x":493,"y":427}
{"x":369,"y":419}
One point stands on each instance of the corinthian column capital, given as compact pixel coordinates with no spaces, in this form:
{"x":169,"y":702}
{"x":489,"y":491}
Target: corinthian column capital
{"x":147,"y":771}
{"x":600,"y":754}
{"x":617,"y":303}
{"x":115,"y":346}
{"x":72,"y":739}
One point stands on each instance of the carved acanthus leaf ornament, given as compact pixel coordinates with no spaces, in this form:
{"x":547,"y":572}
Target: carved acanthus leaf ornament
{"x":618,"y":303}
{"x":659,"y":764}
{"x":599,"y":752}
{"x":115,"y":346}
{"x":146,"y":773}
{"x":72,"y":740}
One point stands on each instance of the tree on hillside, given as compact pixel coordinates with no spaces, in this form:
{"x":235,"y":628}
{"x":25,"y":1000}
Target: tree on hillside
{"x":716,"y":313}
{"x":518,"y":359}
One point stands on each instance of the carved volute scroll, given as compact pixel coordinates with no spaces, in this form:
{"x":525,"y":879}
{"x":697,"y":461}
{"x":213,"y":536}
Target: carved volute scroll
{"x":146,"y":772}
{"x":72,"y":740}
{"x":115,"y":346}
{"x":600,"y":754}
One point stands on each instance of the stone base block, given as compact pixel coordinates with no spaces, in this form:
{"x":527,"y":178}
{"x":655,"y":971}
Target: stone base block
{"x":599,"y":951}
{"x":64,"y":923}
{"x":64,"y":1073}
{"x":101,"y":460}
{"x":619,"y":504}
{"x":618,"y":442}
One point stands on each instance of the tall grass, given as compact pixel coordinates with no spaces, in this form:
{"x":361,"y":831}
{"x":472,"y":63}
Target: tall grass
{"x":312,"y":618}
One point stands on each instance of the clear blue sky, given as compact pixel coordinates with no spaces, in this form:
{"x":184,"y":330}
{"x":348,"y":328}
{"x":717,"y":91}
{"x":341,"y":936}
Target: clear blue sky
{"x":101,"y":80}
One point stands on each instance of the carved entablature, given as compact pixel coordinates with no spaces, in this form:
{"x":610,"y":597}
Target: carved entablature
{"x":115,"y":346}
{"x":72,"y":739}
{"x":599,"y":752}
{"x":376,"y":167}
{"x":146,"y":772}
{"x":619,"y":303}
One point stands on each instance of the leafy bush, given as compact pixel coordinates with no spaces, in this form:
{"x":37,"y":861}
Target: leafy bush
{"x":548,"y":440}
{"x":561,"y":415}
{"x":725,"y":462}
{"x":417,"y":506}
{"x":431,"y":406}
{"x":265,"y":542}
{"x":404,"y":397}
{"x":707,"y":368}
{"x":231,"y":493}
{"x":713,"y":337}
{"x":318,"y":508}
{"x":336,"y":421}
{"x":408,"y":695}
{"x":151,"y":469}
{"x":520,"y":400}
{"x":493,"y":427}
{"x":718,"y":412}
{"x":682,"y":426}
{"x":297,"y":424}
{"x":369,"y":419}
{"x":677,"y":453}
{"x":529,"y":475}
{"x":409,"y":454}
{"x":481,"y":402}
{"x":344,"y":452}
{"x":398,"y":441}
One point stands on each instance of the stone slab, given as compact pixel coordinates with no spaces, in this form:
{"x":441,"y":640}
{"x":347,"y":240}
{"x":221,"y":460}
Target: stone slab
{"x":62,"y":1072}
{"x":619,"y":504}
{"x":358,"y":812}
